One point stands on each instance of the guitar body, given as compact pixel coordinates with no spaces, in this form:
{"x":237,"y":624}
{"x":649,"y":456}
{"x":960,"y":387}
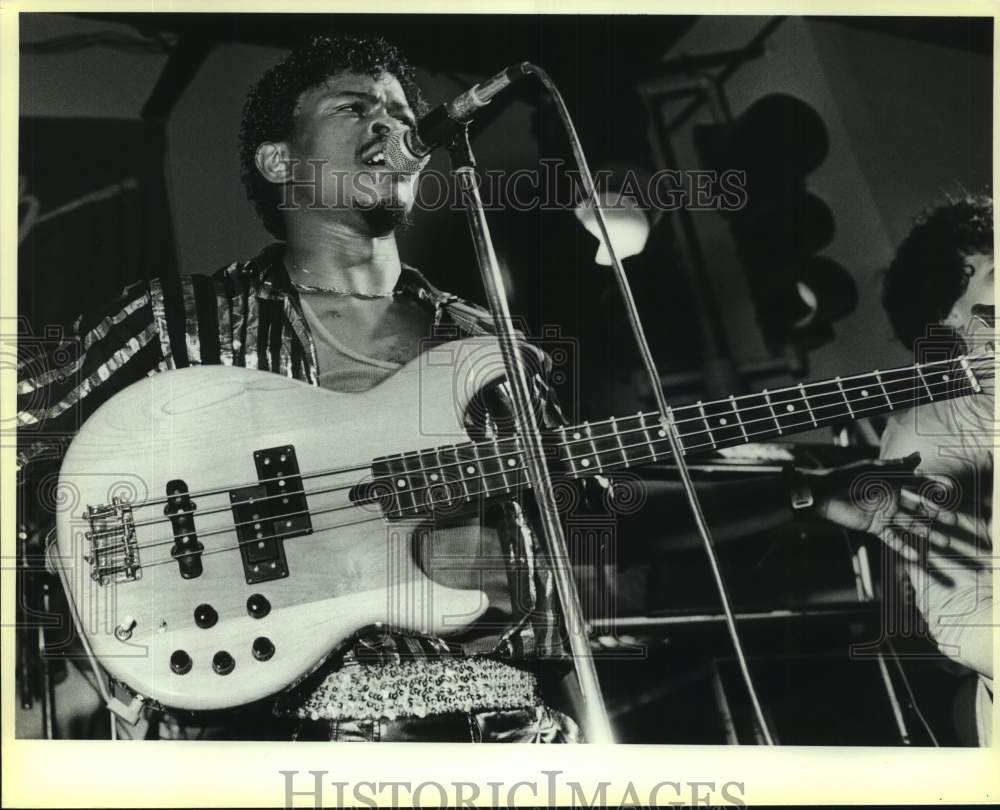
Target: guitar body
{"x":190,"y":631}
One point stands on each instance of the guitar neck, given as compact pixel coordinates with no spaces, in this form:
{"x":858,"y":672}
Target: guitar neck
{"x":447,"y":477}
{"x":770,"y":414}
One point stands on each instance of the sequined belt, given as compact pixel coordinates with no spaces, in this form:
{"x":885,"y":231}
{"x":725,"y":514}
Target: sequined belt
{"x":420,"y":688}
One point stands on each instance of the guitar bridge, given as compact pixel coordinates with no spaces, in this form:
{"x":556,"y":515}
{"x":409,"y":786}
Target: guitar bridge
{"x":114,"y":554}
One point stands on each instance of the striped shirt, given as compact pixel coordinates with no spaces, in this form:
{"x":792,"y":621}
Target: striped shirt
{"x":248,"y":314}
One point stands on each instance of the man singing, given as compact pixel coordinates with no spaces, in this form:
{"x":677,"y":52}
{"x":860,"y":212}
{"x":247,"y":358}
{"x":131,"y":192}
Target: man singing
{"x":332,"y":304}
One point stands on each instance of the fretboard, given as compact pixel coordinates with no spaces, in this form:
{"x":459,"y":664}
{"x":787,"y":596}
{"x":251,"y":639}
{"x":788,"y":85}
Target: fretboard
{"x":449,"y":478}
{"x":765,"y":416}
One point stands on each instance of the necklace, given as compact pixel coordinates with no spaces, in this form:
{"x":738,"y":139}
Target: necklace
{"x":312,"y":288}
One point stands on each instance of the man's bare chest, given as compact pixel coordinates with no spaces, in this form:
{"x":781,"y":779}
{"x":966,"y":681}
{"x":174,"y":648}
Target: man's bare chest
{"x":388,"y":331}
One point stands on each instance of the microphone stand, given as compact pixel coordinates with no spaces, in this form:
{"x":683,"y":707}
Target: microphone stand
{"x":669,"y":427}
{"x":595,"y":721}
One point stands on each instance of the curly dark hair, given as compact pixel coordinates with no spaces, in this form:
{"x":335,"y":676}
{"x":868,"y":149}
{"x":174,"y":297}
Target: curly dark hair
{"x":928,"y":274}
{"x":269,"y":111}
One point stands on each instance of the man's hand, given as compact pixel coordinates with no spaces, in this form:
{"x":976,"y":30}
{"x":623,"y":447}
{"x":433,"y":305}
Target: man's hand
{"x":886,"y":499}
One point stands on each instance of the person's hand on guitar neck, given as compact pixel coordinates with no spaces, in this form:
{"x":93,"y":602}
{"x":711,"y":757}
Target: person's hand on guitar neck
{"x":885,"y":498}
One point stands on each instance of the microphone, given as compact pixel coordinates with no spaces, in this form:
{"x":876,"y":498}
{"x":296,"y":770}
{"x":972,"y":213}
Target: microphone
{"x":405,"y":152}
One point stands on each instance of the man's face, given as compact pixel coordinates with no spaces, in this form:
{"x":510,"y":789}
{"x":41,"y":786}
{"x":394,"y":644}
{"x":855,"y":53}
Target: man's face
{"x":340,"y":127}
{"x":979,"y":267}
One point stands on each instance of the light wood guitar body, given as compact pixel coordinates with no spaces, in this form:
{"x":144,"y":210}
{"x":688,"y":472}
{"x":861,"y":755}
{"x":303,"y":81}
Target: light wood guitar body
{"x":202,"y":426}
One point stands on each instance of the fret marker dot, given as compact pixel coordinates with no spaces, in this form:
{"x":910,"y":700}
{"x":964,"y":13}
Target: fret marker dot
{"x":434,"y":476}
{"x":661,"y":433}
{"x":722,"y":421}
{"x":864,"y":393}
{"x":576,"y":435}
{"x":789,"y":407}
{"x":470,"y":469}
{"x":401,"y":483}
{"x":511,"y":462}
{"x":585,"y":462}
{"x":944,"y":377}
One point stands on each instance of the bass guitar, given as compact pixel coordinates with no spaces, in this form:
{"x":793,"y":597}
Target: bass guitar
{"x":233,"y":526}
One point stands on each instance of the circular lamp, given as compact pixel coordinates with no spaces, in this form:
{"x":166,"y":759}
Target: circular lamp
{"x":627,"y":225}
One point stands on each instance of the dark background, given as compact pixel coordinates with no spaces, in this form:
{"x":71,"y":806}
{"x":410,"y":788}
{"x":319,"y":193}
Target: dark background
{"x":905,"y":103}
{"x":129,"y":167}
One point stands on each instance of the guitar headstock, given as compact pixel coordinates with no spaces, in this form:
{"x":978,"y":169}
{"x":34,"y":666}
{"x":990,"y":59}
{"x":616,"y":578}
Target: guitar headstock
{"x":980,"y":347}
{"x":984,"y":314}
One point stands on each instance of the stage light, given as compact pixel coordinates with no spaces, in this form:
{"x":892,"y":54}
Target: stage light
{"x":827,"y":290}
{"x":811,"y":303}
{"x":778,"y":142}
{"x":628,"y":225}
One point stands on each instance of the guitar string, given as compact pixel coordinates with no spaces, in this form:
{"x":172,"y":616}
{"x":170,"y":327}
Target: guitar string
{"x":792,"y":427}
{"x":360,"y":467}
{"x":400,"y":513}
{"x":621,"y":448}
{"x":964,"y":390}
{"x":495,"y":444}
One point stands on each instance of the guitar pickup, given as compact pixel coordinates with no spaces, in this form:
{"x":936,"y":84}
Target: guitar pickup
{"x":269,"y":513}
{"x":186,"y":548}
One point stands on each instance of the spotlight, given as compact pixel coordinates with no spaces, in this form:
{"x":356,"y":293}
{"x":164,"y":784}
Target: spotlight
{"x":778,"y":142}
{"x":628,"y":225}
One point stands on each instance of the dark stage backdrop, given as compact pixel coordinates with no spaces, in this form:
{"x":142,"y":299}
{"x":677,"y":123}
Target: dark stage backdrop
{"x":92,"y":214}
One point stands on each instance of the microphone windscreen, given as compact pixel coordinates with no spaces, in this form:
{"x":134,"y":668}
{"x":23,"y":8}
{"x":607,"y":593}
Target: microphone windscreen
{"x":398,"y":157}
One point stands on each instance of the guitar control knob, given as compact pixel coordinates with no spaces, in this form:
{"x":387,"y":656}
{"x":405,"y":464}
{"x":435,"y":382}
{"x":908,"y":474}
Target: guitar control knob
{"x":258,"y":606}
{"x":223,"y":663}
{"x":180,"y":662}
{"x":263,"y":648}
{"x":205,"y":616}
